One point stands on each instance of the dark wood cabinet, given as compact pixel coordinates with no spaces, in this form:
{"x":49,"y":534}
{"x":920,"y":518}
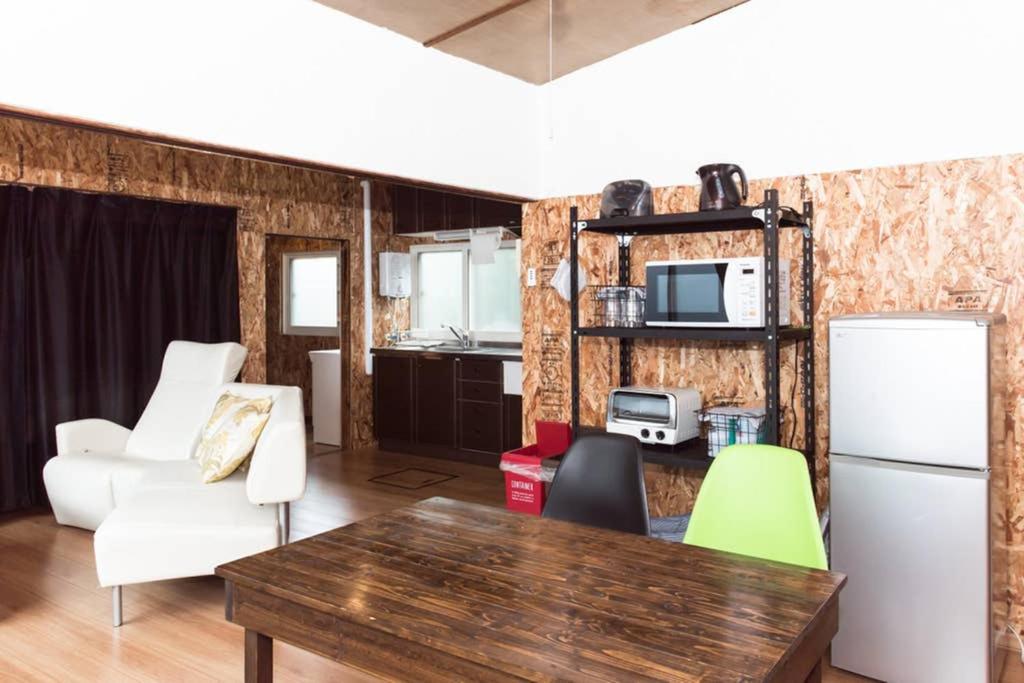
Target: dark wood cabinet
{"x":447,"y":406}
{"x":480,"y":427}
{"x":432,"y":211}
{"x":480,"y":370}
{"x":435,"y":401}
{"x":418,"y":210}
{"x":492,"y":212}
{"x":405,"y":209}
{"x":393,"y":398}
{"x":458,"y":211}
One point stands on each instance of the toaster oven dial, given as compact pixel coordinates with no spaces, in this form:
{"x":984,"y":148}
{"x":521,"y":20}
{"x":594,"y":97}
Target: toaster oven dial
{"x":645,"y":433}
{"x":659,"y":435}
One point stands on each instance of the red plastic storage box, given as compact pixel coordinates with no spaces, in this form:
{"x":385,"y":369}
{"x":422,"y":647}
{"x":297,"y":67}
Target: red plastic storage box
{"x":525,"y":485}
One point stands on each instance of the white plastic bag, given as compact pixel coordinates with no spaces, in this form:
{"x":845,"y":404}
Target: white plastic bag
{"x":561,"y":280}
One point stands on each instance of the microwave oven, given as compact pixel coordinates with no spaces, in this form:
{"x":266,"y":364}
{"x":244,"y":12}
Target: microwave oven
{"x":725,"y":292}
{"x":655,"y":415}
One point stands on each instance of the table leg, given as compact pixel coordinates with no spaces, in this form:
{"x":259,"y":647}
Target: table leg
{"x":815,"y":675}
{"x":259,"y":658}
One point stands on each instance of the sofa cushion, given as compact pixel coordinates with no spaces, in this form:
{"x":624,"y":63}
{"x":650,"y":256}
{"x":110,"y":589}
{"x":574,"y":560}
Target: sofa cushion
{"x":190,"y":381}
{"x":166,"y":532}
{"x":85,"y":487}
{"x":231,"y":434}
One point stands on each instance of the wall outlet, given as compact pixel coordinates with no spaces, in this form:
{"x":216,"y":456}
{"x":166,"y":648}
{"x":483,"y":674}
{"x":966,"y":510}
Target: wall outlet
{"x":531,"y":277}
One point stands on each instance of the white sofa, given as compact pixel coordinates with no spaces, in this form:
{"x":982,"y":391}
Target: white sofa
{"x":156,"y":519}
{"x":99,"y":463}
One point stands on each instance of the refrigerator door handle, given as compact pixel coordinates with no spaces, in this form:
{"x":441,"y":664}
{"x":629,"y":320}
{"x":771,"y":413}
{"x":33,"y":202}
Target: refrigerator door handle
{"x":965,"y":472}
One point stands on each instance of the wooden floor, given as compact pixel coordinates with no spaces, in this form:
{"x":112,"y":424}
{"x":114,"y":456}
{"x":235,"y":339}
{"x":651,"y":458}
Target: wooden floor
{"x":55,"y":620}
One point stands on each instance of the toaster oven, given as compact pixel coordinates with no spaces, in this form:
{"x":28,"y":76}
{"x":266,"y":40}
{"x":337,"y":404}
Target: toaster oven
{"x":656,"y":415}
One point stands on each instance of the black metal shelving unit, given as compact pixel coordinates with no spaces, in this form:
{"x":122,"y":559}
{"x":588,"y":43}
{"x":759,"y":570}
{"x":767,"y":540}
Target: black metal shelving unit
{"x":768,"y":218}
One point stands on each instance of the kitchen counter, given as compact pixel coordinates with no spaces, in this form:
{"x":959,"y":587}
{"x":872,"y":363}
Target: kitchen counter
{"x":448,"y":402}
{"x":514,"y":353}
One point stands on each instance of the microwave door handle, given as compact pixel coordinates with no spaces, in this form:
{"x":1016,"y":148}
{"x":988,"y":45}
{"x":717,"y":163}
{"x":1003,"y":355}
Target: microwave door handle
{"x":729,"y":287}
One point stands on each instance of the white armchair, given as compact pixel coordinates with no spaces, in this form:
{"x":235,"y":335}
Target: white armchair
{"x":142,"y":491}
{"x":99,"y":463}
{"x":175,"y":526}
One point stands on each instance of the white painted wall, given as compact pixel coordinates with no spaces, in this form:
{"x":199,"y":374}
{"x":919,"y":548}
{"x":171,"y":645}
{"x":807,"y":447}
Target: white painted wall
{"x":289,"y":77}
{"x":863,"y":83}
{"x":786,"y":87}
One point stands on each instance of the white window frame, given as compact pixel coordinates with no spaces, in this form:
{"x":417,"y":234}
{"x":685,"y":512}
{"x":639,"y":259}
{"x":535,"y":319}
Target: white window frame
{"x":445,"y":334}
{"x":286,"y":295}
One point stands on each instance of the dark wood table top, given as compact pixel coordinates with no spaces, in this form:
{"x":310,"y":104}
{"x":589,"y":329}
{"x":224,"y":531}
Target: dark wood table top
{"x":444,"y":589}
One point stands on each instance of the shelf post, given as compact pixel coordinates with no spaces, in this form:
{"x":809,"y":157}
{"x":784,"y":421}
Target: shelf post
{"x":574,"y":323}
{"x":625,"y":343}
{"x":810,"y":440}
{"x":771,"y":312}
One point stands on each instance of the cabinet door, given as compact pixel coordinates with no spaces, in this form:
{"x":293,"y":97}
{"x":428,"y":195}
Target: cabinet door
{"x":393,"y":397}
{"x":491,"y":212}
{"x":435,"y":401}
{"x":480,"y":426}
{"x":432,"y":215}
{"x":405,"y":209}
{"x":458,"y":209}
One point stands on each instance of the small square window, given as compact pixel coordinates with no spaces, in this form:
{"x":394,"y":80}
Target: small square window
{"x":310,"y":296}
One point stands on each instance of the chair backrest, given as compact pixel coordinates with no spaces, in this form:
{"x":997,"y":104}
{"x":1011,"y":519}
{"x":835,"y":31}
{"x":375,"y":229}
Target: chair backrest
{"x":600,"y":482}
{"x":277,"y":469}
{"x":181,"y":403}
{"x":756,"y":500}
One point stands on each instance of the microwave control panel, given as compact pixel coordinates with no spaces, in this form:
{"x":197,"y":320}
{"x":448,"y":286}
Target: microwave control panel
{"x":750,"y":292}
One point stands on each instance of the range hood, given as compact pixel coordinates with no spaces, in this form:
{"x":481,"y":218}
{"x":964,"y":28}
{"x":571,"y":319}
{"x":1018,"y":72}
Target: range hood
{"x":466,"y":234}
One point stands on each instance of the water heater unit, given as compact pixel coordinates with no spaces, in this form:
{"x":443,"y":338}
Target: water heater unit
{"x":395,"y":274}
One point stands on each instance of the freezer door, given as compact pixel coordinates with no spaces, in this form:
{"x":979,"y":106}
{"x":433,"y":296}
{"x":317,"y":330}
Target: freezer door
{"x":913,"y":542}
{"x":912,"y":394}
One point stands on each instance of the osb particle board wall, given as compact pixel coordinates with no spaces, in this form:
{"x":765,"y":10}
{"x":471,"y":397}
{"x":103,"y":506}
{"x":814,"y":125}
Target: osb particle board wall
{"x":270,"y":198}
{"x":932,"y":236}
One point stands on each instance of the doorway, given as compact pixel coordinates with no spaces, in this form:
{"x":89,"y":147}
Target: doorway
{"x":308,"y":325}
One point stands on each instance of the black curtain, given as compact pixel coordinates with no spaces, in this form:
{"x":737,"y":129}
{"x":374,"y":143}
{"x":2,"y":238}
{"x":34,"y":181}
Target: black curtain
{"x":92,"y":289}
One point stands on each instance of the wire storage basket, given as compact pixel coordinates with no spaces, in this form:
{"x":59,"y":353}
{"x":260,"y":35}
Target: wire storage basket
{"x":728,"y":425}
{"x":618,"y":306}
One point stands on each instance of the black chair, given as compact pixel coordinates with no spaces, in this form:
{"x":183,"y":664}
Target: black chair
{"x":600,"y":482}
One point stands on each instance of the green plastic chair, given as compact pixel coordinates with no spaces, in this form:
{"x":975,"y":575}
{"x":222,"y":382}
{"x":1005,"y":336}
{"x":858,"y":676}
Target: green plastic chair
{"x":756,"y":500}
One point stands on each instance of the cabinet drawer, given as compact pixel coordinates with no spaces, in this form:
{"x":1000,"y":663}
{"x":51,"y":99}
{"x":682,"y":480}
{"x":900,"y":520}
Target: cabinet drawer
{"x":479,"y":370}
{"x":480,"y":426}
{"x":489,"y":392}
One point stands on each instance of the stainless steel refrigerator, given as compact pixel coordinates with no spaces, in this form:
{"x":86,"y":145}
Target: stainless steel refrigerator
{"x":917,"y":494}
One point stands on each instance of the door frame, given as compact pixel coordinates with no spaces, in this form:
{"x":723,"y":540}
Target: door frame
{"x":344,"y":317}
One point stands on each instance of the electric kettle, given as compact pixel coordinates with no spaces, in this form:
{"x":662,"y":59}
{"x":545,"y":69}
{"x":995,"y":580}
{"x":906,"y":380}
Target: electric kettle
{"x":718,"y":190}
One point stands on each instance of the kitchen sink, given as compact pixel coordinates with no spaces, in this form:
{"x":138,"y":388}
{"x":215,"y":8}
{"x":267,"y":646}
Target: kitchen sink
{"x":448,"y":348}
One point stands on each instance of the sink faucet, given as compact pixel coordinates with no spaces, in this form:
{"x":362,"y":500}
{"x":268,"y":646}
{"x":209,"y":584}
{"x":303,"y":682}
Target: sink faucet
{"x":461,"y":335}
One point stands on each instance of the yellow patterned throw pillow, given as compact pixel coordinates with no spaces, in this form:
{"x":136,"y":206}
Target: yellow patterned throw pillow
{"x":230,"y":434}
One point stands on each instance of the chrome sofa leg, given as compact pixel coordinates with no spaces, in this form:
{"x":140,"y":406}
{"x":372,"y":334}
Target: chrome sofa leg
{"x":284,"y":520}
{"x":117,"y":606}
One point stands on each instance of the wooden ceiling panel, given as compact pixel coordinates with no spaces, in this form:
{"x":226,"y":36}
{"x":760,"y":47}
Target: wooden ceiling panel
{"x":511,"y":36}
{"x":420,"y":20}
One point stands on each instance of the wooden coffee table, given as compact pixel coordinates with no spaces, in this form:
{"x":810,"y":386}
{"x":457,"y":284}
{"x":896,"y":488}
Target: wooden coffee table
{"x":444,"y":590}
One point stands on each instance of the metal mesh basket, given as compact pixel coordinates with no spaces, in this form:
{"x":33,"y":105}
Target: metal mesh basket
{"x":617,"y":306}
{"x":727,"y":425}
